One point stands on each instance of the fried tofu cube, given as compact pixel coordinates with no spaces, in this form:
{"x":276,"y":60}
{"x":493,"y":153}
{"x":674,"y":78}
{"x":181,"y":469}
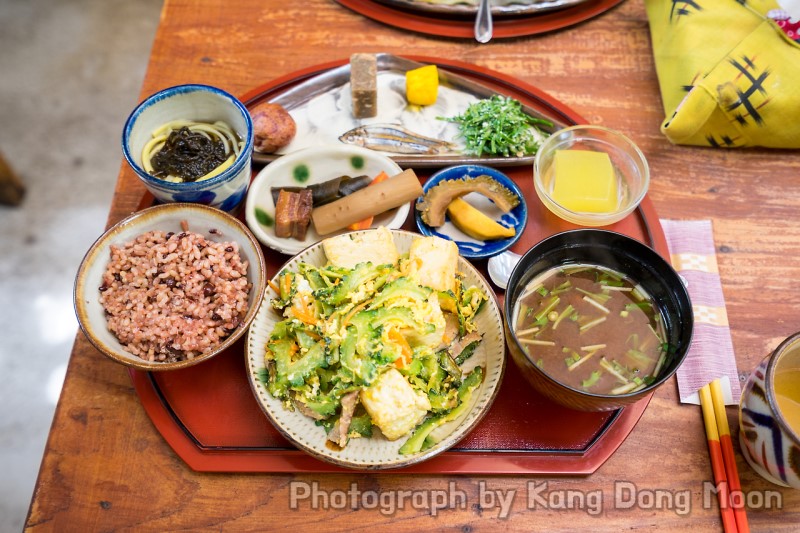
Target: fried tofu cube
{"x":347,"y":251}
{"x":393,"y":405}
{"x":433,"y":262}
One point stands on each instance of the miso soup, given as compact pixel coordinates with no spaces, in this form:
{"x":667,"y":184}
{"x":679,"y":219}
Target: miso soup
{"x":591,"y":328}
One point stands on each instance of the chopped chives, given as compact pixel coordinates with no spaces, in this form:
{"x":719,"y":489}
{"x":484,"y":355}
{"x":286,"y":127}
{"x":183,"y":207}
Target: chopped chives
{"x":542,"y":291}
{"x":655,"y":333}
{"x":527,"y":331}
{"x":593,"y":378}
{"x":659,"y":364}
{"x":569,"y":271}
{"x":562,"y":288}
{"x":584,"y":328}
{"x":592,"y":347}
{"x":531,"y":291}
{"x":572,"y":359}
{"x":612,"y":370}
{"x":638,"y":293}
{"x":582,"y":360}
{"x":523,"y":312}
{"x":622,"y":389}
{"x":594,"y":302}
{"x":537,"y":342}
{"x":639,"y":357}
{"x":632,"y":340}
{"x":600,"y":297}
{"x":567,"y":310}
{"x":547,"y":308}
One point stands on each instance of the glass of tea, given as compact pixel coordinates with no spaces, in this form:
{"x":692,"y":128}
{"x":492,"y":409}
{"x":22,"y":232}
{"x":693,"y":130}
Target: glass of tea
{"x":769,"y":416}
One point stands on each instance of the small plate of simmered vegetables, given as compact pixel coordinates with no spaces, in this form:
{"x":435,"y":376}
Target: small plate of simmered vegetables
{"x":479,"y":208}
{"x":377,"y":349}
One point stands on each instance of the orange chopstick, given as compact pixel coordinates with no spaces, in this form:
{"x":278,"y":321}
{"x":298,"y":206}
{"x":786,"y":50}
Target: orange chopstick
{"x":737,"y":503}
{"x":717,"y":463}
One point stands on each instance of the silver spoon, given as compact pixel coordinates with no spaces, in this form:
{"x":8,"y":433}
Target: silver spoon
{"x":483,"y":23}
{"x":500,"y":267}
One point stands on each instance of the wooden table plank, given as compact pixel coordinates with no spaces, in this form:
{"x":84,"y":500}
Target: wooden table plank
{"x":106,"y":467}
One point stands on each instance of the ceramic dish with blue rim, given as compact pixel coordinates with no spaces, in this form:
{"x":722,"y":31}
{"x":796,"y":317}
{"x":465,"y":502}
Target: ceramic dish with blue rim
{"x":469,"y":246}
{"x":194,"y":106}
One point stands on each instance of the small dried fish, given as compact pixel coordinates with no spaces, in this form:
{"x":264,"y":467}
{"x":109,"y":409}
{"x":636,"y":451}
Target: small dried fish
{"x":395,"y":139}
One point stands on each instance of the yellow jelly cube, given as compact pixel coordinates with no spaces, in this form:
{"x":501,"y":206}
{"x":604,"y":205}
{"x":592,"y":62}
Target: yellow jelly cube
{"x":422,"y":85}
{"x":584,"y":181}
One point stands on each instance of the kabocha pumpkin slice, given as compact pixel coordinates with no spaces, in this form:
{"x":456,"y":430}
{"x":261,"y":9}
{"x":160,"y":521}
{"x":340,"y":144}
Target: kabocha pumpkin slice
{"x":434,"y":204}
{"x":474,"y":223}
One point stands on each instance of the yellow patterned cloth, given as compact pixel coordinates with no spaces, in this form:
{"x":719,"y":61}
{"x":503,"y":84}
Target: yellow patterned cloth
{"x":729,"y":76}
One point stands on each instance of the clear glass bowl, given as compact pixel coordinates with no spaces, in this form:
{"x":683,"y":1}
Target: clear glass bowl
{"x":630,"y":166}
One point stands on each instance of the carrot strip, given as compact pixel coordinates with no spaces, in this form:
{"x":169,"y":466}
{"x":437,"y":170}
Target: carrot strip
{"x":367,"y":222}
{"x":405,"y":348}
{"x":286,"y":283}
{"x":353,"y":311}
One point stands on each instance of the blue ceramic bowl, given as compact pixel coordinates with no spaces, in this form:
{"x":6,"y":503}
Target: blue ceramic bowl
{"x":192,"y":102}
{"x":468,"y":246}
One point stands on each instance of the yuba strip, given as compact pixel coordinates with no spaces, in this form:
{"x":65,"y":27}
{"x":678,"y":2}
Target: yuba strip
{"x":367,"y":202}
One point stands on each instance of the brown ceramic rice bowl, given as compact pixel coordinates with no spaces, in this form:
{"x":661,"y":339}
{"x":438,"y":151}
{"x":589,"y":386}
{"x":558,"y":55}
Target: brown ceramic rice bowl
{"x":190,"y":307}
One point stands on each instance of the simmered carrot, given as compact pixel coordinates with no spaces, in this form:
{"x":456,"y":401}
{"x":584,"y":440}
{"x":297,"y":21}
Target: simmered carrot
{"x":405,"y":348}
{"x":367,"y":222}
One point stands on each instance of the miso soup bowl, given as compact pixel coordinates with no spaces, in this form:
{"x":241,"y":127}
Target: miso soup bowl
{"x":627,"y":256}
{"x":201,"y":103}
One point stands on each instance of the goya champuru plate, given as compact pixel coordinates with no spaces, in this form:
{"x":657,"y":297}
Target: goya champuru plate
{"x":382,"y":368}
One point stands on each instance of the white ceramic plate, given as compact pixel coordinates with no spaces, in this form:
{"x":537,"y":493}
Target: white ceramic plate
{"x":307,"y":167}
{"x":378,"y":452}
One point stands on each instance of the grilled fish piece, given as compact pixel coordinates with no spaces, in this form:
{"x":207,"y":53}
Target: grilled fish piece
{"x":395,"y":139}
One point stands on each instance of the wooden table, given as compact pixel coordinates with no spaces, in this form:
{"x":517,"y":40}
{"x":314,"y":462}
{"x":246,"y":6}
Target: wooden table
{"x":107,"y":468}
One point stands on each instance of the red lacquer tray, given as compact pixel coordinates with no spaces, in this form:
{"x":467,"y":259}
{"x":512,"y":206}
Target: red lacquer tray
{"x":517,"y":26}
{"x":208,"y":415}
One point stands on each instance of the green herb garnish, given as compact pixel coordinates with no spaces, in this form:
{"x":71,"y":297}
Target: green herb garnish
{"x":593,"y":378}
{"x":498,"y":126}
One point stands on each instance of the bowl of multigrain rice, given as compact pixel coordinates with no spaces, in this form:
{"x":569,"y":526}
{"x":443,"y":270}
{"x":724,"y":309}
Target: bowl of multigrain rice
{"x":170,"y":286}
